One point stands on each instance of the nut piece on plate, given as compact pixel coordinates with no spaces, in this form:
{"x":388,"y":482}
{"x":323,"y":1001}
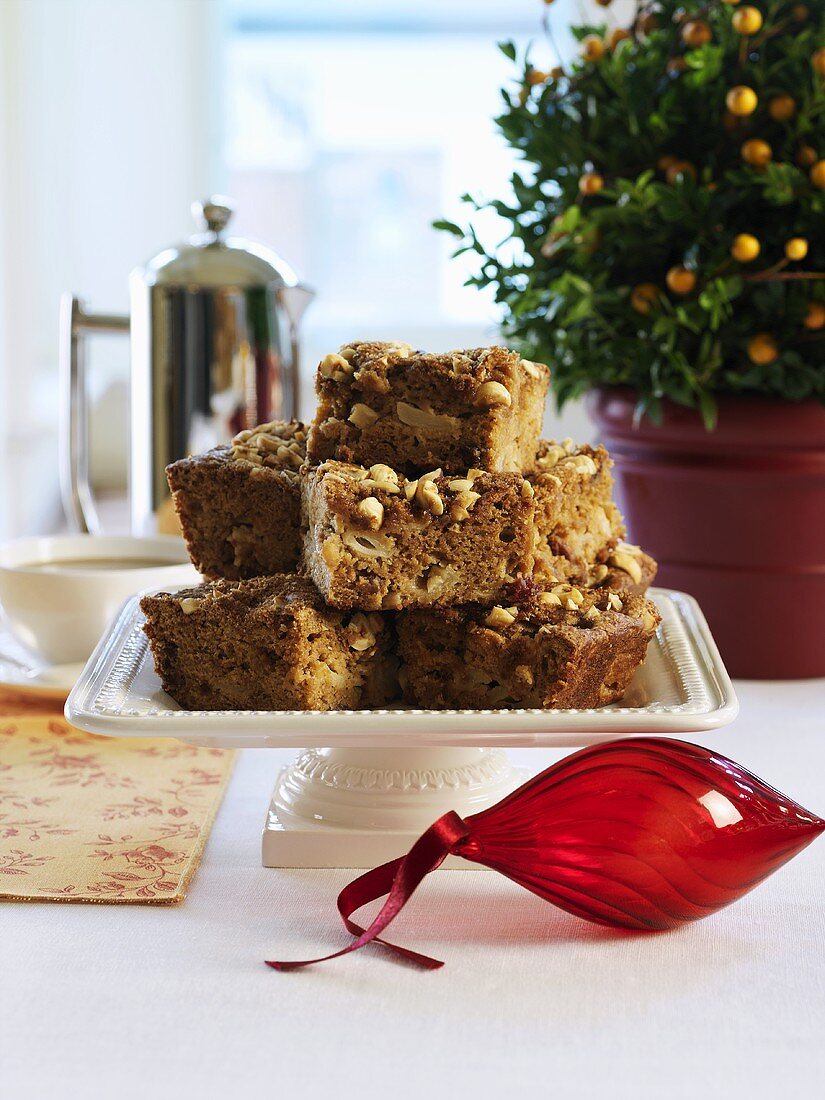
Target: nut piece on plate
{"x":558,"y":647}
{"x":377,"y":540}
{"x":577,"y":523}
{"x":382,"y":402}
{"x":268,"y":644}
{"x":240,"y":505}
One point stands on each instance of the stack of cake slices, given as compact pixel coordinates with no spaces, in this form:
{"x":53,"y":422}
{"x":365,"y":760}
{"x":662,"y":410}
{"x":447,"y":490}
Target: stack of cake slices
{"x":417,"y":544}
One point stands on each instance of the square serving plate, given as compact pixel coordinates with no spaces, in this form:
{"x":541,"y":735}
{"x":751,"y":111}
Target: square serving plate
{"x":682,"y":687}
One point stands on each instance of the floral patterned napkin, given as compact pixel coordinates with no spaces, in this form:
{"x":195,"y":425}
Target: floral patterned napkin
{"x":98,"y":819}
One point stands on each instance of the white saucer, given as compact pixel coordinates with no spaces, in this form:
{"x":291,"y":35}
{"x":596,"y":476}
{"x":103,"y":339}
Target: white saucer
{"x":23,"y":671}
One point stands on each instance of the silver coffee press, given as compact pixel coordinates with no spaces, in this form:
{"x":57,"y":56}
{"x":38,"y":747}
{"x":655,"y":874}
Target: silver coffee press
{"x":214,"y":349}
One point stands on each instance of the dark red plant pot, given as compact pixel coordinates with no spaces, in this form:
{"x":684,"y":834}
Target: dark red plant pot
{"x":735,"y":516}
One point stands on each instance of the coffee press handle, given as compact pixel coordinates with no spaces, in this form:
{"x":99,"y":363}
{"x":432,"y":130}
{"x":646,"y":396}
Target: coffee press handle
{"x":75,"y":489}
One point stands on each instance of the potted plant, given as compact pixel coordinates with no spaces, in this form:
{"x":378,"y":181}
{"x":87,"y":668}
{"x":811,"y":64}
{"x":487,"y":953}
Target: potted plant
{"x":666,"y":256}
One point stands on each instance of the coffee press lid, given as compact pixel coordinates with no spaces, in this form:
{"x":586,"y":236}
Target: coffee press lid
{"x":210,"y":259}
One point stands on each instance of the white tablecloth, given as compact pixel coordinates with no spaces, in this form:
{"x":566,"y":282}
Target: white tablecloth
{"x":123,"y":1002}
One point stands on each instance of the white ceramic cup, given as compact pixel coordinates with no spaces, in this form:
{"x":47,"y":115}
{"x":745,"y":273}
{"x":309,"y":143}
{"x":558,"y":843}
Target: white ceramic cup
{"x":60,"y":612}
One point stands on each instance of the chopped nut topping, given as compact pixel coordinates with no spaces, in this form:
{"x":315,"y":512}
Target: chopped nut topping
{"x":428,"y":497}
{"x":463,"y":504}
{"x":592,"y":613}
{"x":648,"y":621}
{"x":410,"y":489}
{"x":614,"y":602}
{"x":549,"y":599}
{"x":555,"y":453}
{"x":582,"y":464}
{"x":620,"y":559}
{"x":599,"y":574}
{"x":380,"y":472}
{"x":383,"y":477}
{"x":473,"y":473}
{"x":460,"y":484}
{"x":535,"y":370}
{"x":568,"y":594}
{"x":490,"y":394}
{"x":277,"y":444}
{"x":362,"y":416}
{"x":501,"y":616}
{"x":335,"y":367}
{"x":372,"y":510}
{"x":392,"y":601}
{"x":527,"y":491}
{"x":189,"y":604}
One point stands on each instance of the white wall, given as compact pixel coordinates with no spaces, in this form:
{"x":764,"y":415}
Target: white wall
{"x":106,"y":136}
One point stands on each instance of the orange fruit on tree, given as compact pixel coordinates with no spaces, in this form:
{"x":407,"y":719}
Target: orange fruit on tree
{"x":781,"y":108}
{"x":536,"y":76}
{"x":815,"y":317}
{"x":591,"y":183}
{"x":679,"y":168}
{"x":648,"y":22}
{"x":644,"y":296}
{"x":741,"y":100}
{"x":747,"y":20}
{"x":745,"y":248}
{"x":696,"y":33}
{"x":796,"y":248}
{"x":818,"y":61}
{"x":757,"y":153}
{"x":592,"y":48}
{"x":817,"y":174}
{"x":680,"y":280}
{"x":806,"y":156}
{"x":762,"y":349}
{"x":617,"y":36}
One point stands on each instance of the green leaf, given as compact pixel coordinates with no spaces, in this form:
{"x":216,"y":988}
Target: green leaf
{"x":448,"y":227}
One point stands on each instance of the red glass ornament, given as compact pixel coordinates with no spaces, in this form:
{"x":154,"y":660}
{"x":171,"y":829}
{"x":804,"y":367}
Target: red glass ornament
{"x":645,"y":833}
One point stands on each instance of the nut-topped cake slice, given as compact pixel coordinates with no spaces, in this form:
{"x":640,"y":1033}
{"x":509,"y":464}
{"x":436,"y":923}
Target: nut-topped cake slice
{"x":268,"y":644}
{"x":558,"y":647}
{"x":239,"y":505}
{"x":577,"y":523}
{"x":375,"y":539}
{"x":386,"y":403}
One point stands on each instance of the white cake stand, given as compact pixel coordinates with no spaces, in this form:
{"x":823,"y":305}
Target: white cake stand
{"x":367,"y":783}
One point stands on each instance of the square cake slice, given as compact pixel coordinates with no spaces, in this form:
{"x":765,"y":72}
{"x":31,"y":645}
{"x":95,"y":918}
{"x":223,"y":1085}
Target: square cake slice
{"x":240,"y":505}
{"x":386,"y":403}
{"x":559,"y":647}
{"x":267,"y":644}
{"x":375,"y":539}
{"x":577,"y":523}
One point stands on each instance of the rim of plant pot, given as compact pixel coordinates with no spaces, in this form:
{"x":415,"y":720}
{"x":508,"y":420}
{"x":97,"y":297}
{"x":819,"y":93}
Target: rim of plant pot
{"x":746,"y":422}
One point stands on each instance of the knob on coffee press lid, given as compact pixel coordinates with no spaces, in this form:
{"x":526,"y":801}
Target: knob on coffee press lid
{"x":211,"y":260}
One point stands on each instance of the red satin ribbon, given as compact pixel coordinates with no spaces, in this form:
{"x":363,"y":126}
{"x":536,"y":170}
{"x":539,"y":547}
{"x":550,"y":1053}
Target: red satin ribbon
{"x":399,"y":879}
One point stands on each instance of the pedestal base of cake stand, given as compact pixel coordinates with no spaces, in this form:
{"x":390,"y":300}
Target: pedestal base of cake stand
{"x":361,"y":807}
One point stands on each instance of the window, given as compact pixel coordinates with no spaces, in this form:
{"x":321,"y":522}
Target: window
{"x":349,"y":127}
